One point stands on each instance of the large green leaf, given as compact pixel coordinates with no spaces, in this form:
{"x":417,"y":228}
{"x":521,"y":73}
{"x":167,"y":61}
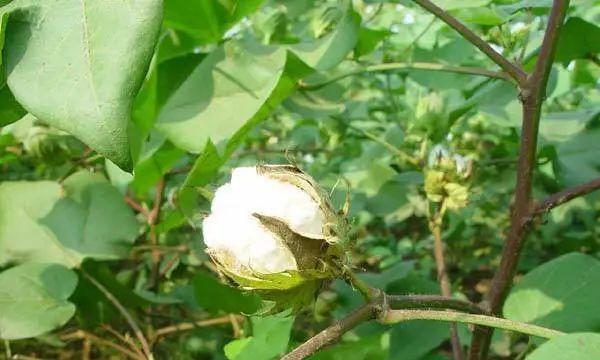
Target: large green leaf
{"x":78,"y":64}
{"x":578,"y":158}
{"x":461,"y":4}
{"x":559,"y":294}
{"x":327,"y":52}
{"x":221,"y":94}
{"x":33,"y":299}
{"x":214,"y":296}
{"x":406,"y":340}
{"x":10,"y":110}
{"x":270,"y":337}
{"x":207,"y":20}
{"x":579,"y":39}
{"x":207,"y":165}
{"x":3,"y":22}
{"x":580,"y":346}
{"x":46,"y":222}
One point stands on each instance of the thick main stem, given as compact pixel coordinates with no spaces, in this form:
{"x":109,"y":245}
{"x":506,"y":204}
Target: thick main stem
{"x":532,"y":96}
{"x":435,"y":225}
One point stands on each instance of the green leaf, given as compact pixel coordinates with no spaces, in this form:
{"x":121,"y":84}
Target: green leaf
{"x":368,"y":40}
{"x":578,"y":157}
{"x":10,"y":110}
{"x":270,"y":338}
{"x":461,"y":4}
{"x":580,"y":346}
{"x":33,"y":299}
{"x":92,"y":220}
{"x":103,"y":46}
{"x":42,"y":221}
{"x":578,"y":39}
{"x":234,"y":74}
{"x":151,"y":167}
{"x":214,"y":296}
{"x":207,"y":165}
{"x":415,"y":339}
{"x":407,"y":341}
{"x":327,"y":52}
{"x":482,"y":16}
{"x":207,"y":20}
{"x":3,"y":22}
{"x":235,"y":347}
{"x":558,"y":294}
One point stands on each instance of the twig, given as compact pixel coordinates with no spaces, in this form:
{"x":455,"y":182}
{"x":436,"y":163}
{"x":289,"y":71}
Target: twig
{"x":128,"y":317}
{"x":419,"y":36}
{"x":532,"y":96}
{"x":564,"y":196}
{"x":431,"y":302}
{"x":153,"y":215}
{"x":152,"y":218}
{"x":369,"y":293}
{"x":125,"y":339}
{"x":7,"y":350}
{"x":80,"y":334}
{"x":171,"y":329}
{"x":397,"y":66}
{"x":396,"y":316}
{"x":160,"y":248}
{"x":513,"y":70}
{"x":86,"y":349}
{"x":237,"y":329}
{"x":393,"y":149}
{"x":135,"y":205}
{"x":435,"y":225}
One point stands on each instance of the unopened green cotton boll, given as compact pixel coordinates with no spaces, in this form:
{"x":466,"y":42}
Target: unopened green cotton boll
{"x":271,"y":228}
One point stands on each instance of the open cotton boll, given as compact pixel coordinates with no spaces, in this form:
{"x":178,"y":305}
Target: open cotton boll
{"x":250,"y":192}
{"x":273,"y":230}
{"x":244,"y":238}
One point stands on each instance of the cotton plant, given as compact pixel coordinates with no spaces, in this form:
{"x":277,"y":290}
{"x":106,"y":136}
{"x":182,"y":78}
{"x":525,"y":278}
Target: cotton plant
{"x":273,"y":230}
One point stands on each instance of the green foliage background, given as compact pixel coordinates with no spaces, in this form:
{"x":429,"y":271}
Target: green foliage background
{"x":153,"y":102}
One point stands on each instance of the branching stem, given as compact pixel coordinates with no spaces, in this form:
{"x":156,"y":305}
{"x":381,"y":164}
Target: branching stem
{"x":564,"y":196}
{"x":407,"y":66}
{"x":390,"y":309}
{"x":513,"y":70}
{"x":532,"y":97}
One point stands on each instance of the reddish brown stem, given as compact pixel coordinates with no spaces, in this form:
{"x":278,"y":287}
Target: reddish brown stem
{"x":532,"y":96}
{"x":152,"y":218}
{"x":564,"y":196}
{"x":135,"y":205}
{"x":444,"y":280}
